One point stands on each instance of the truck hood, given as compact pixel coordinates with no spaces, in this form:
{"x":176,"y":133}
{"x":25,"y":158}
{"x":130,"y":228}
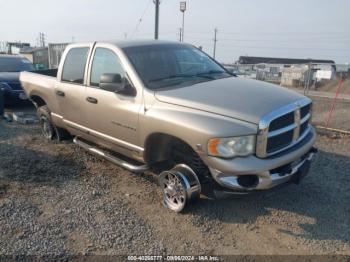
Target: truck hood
{"x":244,"y":99}
{"x":9,"y":77}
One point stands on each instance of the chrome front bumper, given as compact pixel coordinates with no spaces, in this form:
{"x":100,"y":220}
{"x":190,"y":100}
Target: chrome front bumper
{"x":266,"y":180}
{"x":266,"y":171}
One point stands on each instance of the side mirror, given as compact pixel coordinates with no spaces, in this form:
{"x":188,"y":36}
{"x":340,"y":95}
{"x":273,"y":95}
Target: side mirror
{"x":112,"y":82}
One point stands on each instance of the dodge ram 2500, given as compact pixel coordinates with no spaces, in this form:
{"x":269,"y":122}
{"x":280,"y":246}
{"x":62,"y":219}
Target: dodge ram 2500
{"x":169,"y":107}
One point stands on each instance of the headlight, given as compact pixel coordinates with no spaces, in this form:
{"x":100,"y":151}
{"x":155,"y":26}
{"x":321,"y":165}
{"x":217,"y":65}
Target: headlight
{"x":232,"y":146}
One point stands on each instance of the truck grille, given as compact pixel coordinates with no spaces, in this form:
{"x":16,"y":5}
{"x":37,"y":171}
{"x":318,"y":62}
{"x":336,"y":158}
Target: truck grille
{"x":279,"y":142}
{"x":283,"y":128}
{"x":281,"y":122}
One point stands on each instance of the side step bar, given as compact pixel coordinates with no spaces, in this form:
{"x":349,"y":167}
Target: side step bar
{"x":109,"y":157}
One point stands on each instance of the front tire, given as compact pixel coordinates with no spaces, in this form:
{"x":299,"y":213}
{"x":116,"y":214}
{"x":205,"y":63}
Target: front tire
{"x":174,"y":191}
{"x":180,"y":186}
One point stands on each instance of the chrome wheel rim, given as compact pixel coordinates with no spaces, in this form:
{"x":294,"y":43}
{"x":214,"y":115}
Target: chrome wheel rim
{"x":174,"y":192}
{"x":46,"y":128}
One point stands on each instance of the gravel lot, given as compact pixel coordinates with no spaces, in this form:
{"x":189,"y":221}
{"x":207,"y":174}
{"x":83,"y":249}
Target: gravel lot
{"x":57,"y":199}
{"x":340,"y":116}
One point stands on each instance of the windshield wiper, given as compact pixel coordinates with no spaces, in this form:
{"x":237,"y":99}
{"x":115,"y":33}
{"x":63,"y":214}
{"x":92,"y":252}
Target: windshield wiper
{"x":171,"y":77}
{"x":209,"y":74}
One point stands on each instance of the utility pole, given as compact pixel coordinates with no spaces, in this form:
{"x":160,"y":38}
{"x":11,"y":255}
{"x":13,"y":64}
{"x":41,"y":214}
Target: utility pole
{"x":180,"y":34}
{"x":156,"y":29}
{"x":9,"y":50}
{"x":41,"y":39}
{"x":183,"y":9}
{"x":215,"y":40}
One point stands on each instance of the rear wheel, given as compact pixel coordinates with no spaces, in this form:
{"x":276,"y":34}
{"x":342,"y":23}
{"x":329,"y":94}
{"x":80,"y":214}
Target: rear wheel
{"x":48,"y":128}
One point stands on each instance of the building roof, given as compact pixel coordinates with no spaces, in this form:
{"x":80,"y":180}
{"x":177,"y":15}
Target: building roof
{"x":286,"y":61}
{"x":30,"y":50}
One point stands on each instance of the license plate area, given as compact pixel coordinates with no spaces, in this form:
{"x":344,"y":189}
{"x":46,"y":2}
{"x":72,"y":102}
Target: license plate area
{"x":302,"y":171}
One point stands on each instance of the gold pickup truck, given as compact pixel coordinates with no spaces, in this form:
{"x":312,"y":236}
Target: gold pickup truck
{"x":169,"y":107}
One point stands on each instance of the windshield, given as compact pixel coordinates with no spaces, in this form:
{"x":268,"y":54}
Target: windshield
{"x":15,"y":64}
{"x":161,"y":66}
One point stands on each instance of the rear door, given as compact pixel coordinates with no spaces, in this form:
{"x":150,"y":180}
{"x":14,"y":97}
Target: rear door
{"x":71,"y":89}
{"x":112,"y":117}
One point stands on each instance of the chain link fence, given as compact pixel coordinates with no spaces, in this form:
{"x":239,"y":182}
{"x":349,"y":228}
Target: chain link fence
{"x":331,"y":100}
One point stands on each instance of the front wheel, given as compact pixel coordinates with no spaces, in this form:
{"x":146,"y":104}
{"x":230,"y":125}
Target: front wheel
{"x":180,"y":186}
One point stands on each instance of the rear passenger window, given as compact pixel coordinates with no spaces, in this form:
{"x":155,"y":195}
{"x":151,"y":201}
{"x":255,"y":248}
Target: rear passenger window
{"x":74,"y":65}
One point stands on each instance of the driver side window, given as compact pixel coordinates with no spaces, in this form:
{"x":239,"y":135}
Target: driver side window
{"x":105,"y":61}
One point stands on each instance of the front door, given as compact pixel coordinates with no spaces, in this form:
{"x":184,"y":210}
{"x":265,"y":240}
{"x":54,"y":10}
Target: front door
{"x":112,"y":117}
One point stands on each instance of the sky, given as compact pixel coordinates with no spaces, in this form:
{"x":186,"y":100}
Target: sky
{"x":316,"y":29}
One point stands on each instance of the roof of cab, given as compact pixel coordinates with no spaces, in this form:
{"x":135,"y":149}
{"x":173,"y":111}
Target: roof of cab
{"x":132,"y":43}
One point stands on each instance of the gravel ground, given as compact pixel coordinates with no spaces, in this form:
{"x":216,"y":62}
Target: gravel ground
{"x":57,"y":199}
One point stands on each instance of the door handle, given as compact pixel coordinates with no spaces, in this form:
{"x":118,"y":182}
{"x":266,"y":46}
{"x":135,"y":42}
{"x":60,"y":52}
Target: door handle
{"x":60,"y":93}
{"x":91,"y":100}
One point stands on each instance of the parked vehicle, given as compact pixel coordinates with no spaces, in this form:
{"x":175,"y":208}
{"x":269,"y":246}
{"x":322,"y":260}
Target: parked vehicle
{"x":170,"y":107}
{"x":10,"y":67}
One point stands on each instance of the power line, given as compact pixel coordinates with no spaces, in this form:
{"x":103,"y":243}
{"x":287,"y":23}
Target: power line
{"x":263,"y":38}
{"x":289,"y":48}
{"x":275,"y":33}
{"x":141,"y":19}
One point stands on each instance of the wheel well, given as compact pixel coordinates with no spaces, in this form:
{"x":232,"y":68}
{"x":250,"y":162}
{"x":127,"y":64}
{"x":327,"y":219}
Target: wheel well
{"x":158,"y":147}
{"x":168,"y":150}
{"x":38,"y":101}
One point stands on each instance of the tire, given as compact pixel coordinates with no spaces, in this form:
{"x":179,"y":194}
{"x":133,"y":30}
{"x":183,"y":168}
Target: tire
{"x":174,"y":191}
{"x":184,"y":171}
{"x":180,"y":186}
{"x":48,"y":128}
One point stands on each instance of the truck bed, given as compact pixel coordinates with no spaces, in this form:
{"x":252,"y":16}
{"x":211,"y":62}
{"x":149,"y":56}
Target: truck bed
{"x":39,"y":83}
{"x":46,"y":72}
